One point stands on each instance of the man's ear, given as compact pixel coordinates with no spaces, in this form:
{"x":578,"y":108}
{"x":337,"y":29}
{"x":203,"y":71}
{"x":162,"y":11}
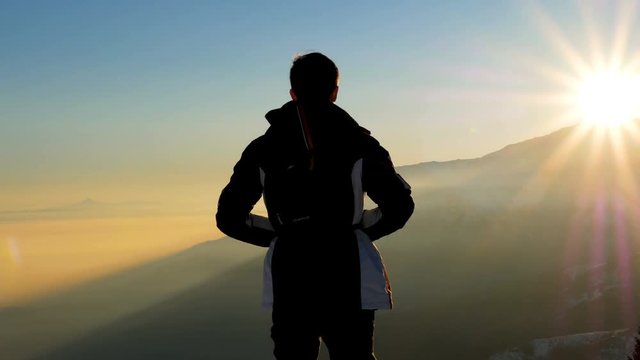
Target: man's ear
{"x":334,"y":94}
{"x":293,"y":95}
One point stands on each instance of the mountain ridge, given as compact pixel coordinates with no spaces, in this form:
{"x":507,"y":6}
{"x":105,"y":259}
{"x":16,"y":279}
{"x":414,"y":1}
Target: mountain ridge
{"x":495,"y":153}
{"x":568,"y":156}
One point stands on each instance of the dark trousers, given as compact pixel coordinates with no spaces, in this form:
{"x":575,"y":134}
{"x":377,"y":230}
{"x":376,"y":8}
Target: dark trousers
{"x":348,"y":335}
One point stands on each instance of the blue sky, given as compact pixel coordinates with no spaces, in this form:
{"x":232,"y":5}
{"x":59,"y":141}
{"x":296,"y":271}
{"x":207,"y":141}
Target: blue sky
{"x":98,"y":94}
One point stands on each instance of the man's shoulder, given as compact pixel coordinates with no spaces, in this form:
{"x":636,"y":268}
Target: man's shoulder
{"x":370,"y":144}
{"x":256,"y":146}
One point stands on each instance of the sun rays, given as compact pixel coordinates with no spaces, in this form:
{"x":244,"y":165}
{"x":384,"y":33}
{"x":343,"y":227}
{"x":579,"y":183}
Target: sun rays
{"x":604,"y":98}
{"x":598,"y":89}
{"x":602,"y":87}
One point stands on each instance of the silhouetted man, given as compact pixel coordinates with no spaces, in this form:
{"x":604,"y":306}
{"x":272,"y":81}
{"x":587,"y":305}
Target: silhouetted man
{"x":323,"y":277}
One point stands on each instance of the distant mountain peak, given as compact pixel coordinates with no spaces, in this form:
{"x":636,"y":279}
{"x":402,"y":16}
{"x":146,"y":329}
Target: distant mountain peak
{"x":88,"y":202}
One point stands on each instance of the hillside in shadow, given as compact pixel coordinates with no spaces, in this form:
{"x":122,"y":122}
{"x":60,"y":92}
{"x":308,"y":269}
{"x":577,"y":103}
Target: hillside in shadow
{"x":538,"y":240}
{"x":218,"y":319}
{"x":202,"y":303}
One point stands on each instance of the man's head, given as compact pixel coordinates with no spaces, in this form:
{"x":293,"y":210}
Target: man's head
{"x":314,"y":79}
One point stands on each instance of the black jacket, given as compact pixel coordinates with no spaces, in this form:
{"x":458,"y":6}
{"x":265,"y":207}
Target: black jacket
{"x":313,"y":166}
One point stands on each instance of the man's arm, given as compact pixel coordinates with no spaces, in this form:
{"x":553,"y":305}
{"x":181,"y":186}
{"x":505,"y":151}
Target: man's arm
{"x":389,"y":191}
{"x":237,"y":199}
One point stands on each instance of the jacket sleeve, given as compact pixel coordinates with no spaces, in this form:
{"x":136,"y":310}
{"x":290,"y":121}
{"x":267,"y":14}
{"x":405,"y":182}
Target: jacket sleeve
{"x":389,"y":191}
{"x":234,"y":217}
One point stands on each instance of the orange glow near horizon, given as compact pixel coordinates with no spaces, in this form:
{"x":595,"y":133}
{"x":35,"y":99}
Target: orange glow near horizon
{"x":39,"y":258}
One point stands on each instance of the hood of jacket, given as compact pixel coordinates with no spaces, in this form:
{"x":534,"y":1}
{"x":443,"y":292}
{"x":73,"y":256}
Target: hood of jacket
{"x":327,"y":122}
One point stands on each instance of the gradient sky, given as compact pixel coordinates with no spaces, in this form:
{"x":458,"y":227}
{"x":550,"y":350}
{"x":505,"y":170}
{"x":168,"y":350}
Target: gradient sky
{"x":138,"y":100}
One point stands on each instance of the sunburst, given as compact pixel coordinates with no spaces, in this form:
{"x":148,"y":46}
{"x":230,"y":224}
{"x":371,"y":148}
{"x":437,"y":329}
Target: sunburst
{"x":602,"y":94}
{"x":598,"y":89}
{"x":608,"y":98}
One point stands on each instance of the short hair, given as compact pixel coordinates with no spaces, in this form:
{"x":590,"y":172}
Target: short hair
{"x":313,"y":77}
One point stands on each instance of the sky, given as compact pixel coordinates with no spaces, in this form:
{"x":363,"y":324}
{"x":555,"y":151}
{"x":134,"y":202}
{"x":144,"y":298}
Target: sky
{"x":155,"y":100}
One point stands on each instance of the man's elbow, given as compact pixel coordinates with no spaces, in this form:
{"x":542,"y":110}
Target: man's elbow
{"x":404,"y":212}
{"x":225,"y":225}
{"x":399,"y":214}
{"x":411,"y":206}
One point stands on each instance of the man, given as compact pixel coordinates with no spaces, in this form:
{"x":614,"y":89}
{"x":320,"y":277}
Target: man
{"x":323,"y":276}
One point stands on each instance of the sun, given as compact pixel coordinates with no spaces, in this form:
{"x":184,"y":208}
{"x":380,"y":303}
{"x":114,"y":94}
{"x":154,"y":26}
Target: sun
{"x":608,"y":98}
